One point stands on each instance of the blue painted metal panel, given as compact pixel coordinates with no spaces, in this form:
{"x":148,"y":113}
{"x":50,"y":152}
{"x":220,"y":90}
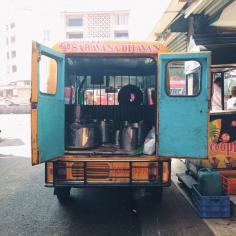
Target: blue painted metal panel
{"x":183,"y":121}
{"x":51,"y":112}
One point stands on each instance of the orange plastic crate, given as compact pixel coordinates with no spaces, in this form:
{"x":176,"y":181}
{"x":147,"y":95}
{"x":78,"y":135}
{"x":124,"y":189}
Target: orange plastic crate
{"x":229,"y":182}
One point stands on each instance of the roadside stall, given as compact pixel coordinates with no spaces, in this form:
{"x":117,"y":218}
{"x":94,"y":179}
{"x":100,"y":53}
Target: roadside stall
{"x":216,"y":175}
{"x":222,"y":127}
{"x":198,"y":26}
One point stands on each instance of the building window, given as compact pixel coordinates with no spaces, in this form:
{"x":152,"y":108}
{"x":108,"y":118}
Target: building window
{"x":7,"y":41}
{"x":75,"y":21}
{"x":13,"y":39}
{"x":14,"y":68}
{"x":12,"y":25}
{"x":8,"y":55}
{"x":121,"y":19}
{"x":74,"y":35}
{"x":121,"y":35}
{"x":6,"y":27}
{"x":13,"y":54}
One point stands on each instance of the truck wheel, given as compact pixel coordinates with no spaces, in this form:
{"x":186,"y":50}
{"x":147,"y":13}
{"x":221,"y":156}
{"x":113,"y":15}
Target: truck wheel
{"x":156,"y":194}
{"x":63,"y":194}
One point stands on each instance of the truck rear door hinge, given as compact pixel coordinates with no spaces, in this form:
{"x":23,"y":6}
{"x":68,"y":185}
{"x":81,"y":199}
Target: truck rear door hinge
{"x":34,"y":105}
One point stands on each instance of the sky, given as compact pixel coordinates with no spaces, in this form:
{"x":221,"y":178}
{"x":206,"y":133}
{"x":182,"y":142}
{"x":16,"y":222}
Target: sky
{"x":144,"y":13}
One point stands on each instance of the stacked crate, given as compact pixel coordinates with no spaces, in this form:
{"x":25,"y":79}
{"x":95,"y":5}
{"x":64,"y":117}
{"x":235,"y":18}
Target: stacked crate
{"x":229,"y":182}
{"x":210,"y":206}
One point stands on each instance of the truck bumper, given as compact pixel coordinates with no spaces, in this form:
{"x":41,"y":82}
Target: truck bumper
{"x":109,"y":174}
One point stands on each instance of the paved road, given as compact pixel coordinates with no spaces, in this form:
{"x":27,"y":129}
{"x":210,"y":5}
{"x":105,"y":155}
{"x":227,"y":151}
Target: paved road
{"x":28,"y":208}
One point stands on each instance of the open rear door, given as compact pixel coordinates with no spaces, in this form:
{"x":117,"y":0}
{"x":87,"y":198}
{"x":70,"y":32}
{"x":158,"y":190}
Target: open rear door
{"x":183,"y":105}
{"x":47,"y":104}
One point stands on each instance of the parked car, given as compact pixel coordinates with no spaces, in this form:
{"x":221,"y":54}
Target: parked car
{"x":6,"y":102}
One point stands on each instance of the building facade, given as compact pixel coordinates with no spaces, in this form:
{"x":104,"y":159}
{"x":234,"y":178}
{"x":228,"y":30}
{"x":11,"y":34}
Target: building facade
{"x":96,"y":25}
{"x":16,"y":36}
{"x":16,"y":57}
{"x":25,"y":25}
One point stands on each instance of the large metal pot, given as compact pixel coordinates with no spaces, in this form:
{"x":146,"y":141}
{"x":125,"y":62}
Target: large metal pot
{"x":142,"y":131}
{"x":105,"y":130}
{"x":129,"y":138}
{"x":84,"y":135}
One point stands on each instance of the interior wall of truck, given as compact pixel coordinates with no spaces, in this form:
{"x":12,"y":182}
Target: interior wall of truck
{"x":110,"y":104}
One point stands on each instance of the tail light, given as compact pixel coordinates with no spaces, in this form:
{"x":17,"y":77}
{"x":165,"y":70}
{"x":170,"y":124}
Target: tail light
{"x":152,"y":172}
{"x":166,"y":174}
{"x":61,"y":171}
{"x":49,"y":172}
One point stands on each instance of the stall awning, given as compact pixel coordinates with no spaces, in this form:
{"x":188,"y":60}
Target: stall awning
{"x":222,"y":46}
{"x":168,"y":16}
{"x":227,"y":18}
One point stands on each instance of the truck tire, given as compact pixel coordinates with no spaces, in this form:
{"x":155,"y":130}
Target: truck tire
{"x":63,"y":194}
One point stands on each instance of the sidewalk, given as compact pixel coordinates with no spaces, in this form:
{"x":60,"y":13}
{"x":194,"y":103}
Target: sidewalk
{"x":220,"y":227}
{"x":13,"y":151}
{"x":15,"y":135}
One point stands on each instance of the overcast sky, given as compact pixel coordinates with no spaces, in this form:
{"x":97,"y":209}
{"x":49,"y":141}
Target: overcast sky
{"x":143,"y":16}
{"x":144,"y":13}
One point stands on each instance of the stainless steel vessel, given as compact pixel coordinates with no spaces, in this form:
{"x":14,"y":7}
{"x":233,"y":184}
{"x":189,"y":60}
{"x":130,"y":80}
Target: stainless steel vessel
{"x":129,"y":138}
{"x":84,"y":136}
{"x":117,"y":138}
{"x":105,"y":130}
{"x":142,"y":131}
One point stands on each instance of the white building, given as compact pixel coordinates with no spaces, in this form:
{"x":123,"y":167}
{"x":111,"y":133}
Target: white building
{"x":25,"y":25}
{"x":96,"y":25}
{"x":17,"y":35}
{"x":16,"y":56}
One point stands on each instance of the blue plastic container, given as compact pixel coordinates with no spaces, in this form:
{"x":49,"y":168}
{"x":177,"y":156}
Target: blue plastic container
{"x":210,"y":182}
{"x":210,"y":206}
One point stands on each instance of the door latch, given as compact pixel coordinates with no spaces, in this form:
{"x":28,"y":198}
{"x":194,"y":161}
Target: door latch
{"x":34,"y":105}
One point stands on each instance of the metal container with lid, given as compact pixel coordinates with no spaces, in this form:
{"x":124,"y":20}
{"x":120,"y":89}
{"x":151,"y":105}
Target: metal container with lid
{"x":84,"y":135}
{"x":117,"y":138}
{"x":142,"y":131}
{"x":106,"y":131}
{"x":129,"y":138}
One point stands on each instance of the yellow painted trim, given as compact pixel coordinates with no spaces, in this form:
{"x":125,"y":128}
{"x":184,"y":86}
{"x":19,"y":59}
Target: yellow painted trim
{"x":49,"y":177}
{"x":34,"y":99}
{"x":34,"y":72}
{"x":102,"y":158}
{"x":34,"y":141}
